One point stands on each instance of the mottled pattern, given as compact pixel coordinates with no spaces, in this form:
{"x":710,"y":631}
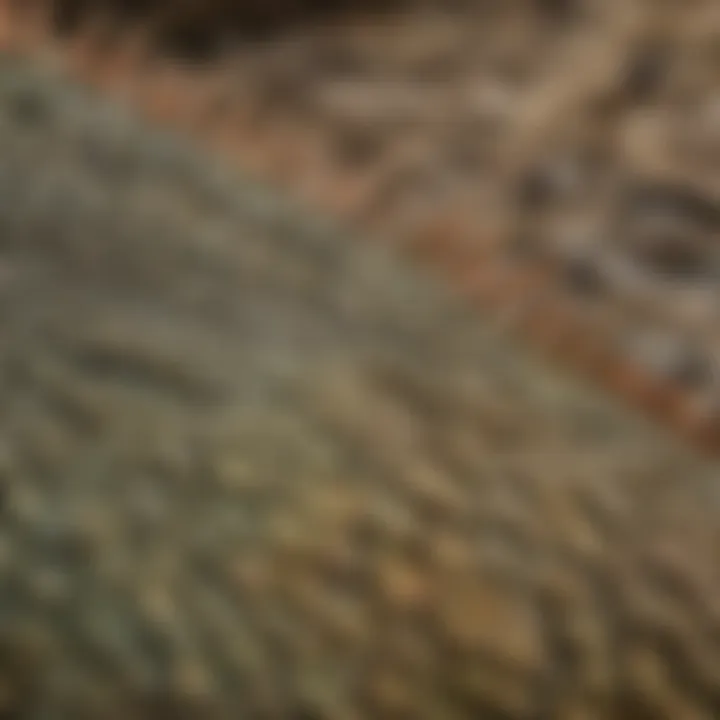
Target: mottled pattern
{"x":252,"y":469}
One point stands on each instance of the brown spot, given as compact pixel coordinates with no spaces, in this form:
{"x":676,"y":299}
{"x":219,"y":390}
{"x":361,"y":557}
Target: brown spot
{"x":489,"y":618}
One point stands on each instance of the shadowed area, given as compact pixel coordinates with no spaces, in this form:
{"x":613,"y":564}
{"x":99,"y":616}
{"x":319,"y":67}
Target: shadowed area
{"x":197,"y":29}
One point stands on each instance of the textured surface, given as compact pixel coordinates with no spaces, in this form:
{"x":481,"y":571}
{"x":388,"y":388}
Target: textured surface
{"x":557,"y":161}
{"x":254,"y":470}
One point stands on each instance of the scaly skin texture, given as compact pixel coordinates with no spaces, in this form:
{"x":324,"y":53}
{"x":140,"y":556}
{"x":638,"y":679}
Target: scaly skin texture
{"x":591,"y":293}
{"x":252,"y":469}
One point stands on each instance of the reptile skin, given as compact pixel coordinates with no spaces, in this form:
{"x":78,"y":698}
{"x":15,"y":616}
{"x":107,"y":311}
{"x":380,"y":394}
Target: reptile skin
{"x":252,"y":469}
